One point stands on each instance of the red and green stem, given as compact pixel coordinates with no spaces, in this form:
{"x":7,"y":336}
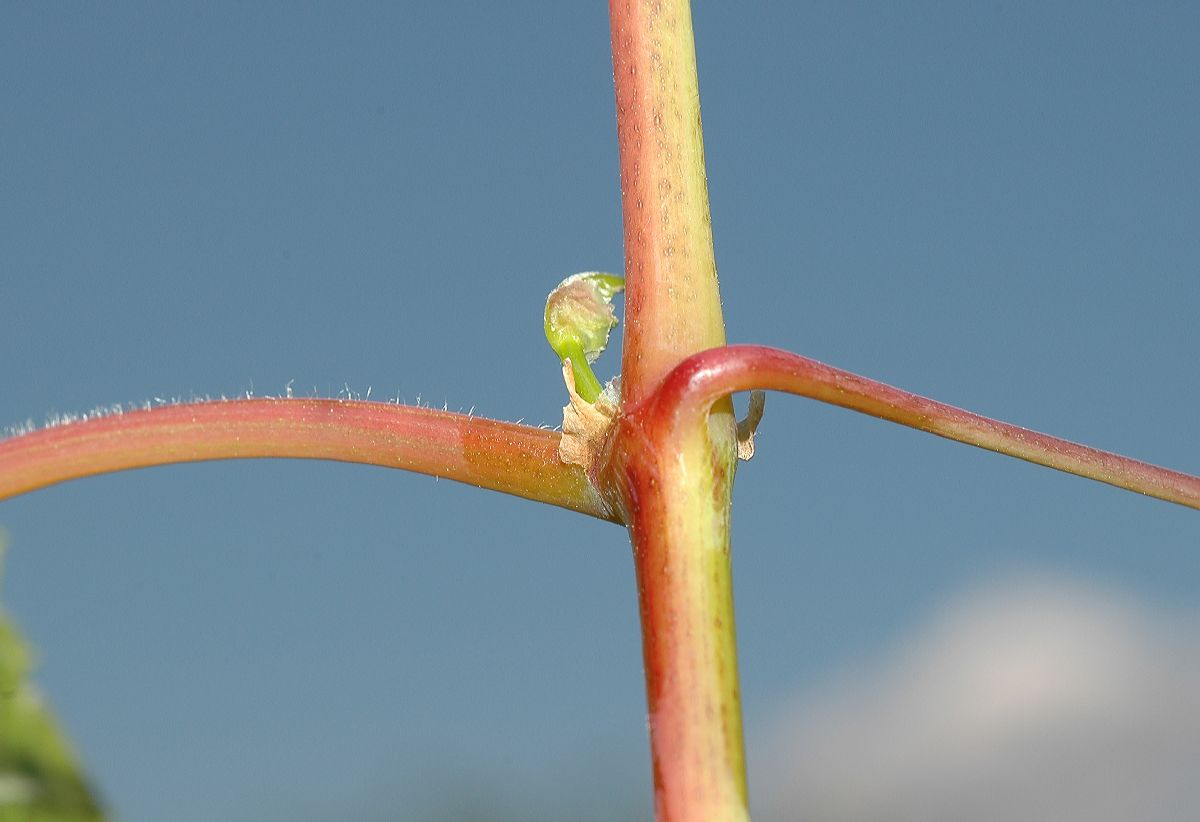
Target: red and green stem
{"x":501,"y":456}
{"x":695,"y":384}
{"x":676,"y":494}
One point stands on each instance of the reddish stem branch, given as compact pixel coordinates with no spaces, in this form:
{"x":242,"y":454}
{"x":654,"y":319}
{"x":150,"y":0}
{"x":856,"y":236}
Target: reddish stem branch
{"x":691,"y":388}
{"x":515,"y":459}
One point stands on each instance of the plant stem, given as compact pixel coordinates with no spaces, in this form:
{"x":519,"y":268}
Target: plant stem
{"x":676,"y":492}
{"x":700,"y":380}
{"x":515,"y":459}
{"x":672,"y":307}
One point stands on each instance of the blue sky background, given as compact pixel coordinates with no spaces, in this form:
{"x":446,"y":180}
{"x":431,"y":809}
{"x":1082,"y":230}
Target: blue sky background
{"x":992,"y":204}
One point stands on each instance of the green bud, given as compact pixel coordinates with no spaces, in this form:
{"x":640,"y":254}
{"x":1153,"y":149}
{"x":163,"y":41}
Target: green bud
{"x":579,"y":315}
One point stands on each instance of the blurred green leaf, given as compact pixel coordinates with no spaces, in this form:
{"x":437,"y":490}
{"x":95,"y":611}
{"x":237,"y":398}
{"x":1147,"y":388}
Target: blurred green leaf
{"x":40,"y":778}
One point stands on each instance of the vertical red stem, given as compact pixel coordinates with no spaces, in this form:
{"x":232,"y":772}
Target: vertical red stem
{"x":677,"y":492}
{"x":672,"y":307}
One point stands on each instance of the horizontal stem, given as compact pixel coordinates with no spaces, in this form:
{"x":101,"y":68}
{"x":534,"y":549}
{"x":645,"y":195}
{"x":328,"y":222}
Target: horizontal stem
{"x":696,"y":383}
{"x":516,"y":459}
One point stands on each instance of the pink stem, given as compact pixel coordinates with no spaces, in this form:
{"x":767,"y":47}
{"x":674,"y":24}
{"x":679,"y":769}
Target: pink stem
{"x":515,"y":459}
{"x":696,"y":383}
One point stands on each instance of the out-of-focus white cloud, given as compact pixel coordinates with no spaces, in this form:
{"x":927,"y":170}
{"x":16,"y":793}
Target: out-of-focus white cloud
{"x":1033,"y":701}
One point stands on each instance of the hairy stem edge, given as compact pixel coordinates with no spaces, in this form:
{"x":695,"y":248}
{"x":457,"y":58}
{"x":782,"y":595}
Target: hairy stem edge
{"x":517,"y":459}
